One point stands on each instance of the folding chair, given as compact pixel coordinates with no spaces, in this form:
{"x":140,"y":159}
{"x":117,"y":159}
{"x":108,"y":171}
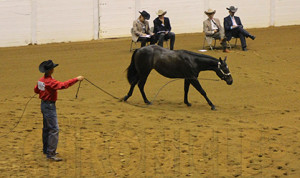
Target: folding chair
{"x":135,"y":42}
{"x":210,"y":46}
{"x":234,"y":43}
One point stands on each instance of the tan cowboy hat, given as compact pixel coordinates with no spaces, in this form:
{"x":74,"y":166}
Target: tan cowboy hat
{"x":161,"y":12}
{"x":210,"y":11}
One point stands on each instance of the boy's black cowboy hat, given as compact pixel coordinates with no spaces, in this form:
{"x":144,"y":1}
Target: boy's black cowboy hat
{"x":47,"y":66}
{"x":145,"y":14}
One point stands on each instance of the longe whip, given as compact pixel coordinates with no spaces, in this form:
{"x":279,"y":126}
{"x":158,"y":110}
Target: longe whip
{"x":78,"y":89}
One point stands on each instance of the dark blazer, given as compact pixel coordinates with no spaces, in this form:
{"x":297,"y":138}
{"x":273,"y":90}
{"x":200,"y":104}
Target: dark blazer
{"x":159,"y":27}
{"x":228,"y":24}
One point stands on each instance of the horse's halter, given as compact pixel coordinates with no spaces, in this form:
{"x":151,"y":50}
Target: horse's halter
{"x":224,"y":74}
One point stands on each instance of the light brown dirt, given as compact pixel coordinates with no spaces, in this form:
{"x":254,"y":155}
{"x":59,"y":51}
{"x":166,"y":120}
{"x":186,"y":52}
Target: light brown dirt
{"x":254,"y":132}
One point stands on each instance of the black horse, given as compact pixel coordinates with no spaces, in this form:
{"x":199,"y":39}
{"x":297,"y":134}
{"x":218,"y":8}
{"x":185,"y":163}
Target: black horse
{"x":173,"y":64}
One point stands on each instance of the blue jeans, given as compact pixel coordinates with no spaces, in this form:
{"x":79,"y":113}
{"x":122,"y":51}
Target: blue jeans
{"x":50,"y":128}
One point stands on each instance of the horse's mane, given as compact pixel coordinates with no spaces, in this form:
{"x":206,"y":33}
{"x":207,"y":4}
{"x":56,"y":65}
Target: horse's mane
{"x":200,"y":55}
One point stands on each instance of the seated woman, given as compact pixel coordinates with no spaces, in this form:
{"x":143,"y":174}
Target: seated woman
{"x":141,"y":31}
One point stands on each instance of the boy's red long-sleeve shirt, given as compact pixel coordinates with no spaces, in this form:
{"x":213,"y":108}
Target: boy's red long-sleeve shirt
{"x":47,"y":87}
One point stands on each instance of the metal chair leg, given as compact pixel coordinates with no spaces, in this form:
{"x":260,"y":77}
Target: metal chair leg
{"x":235,"y":42}
{"x":211,"y":48}
{"x":215,"y":43}
{"x":204,"y":42}
{"x":130,"y":46}
{"x":229,"y":45}
{"x":167,"y":44}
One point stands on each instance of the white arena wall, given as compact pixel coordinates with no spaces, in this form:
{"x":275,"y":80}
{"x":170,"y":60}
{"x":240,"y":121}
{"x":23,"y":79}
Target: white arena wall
{"x":24,"y":22}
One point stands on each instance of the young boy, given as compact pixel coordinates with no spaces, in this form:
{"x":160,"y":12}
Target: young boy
{"x":47,"y":89}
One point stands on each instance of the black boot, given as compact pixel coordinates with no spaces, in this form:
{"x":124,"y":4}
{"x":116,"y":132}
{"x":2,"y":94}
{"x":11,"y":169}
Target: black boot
{"x":252,"y":37}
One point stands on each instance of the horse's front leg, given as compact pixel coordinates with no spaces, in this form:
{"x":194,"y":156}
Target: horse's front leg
{"x":186,"y":91}
{"x":197,"y":85}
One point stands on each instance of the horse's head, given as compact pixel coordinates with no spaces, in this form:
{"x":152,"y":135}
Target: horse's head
{"x":223,"y":71}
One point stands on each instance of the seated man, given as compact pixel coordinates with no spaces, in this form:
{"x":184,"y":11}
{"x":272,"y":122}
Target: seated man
{"x":141,"y":31}
{"x":213,"y":29}
{"x":234,"y":28}
{"x":162,"y":29}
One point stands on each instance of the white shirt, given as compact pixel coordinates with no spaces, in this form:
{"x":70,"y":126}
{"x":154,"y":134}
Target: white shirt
{"x":233,"y":21}
{"x":213,"y":25}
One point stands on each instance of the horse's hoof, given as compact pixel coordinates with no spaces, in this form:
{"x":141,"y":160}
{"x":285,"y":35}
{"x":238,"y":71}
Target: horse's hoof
{"x":124,"y":99}
{"x":148,"y":102}
{"x":188,"y":104}
{"x":213,"y":108}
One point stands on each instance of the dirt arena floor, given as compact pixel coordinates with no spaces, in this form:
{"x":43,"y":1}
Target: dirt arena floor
{"x":254,"y":132}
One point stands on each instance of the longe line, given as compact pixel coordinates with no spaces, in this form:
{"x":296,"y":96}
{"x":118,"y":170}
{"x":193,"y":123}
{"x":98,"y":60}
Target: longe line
{"x":174,"y":81}
{"x":120,"y":99}
{"x":101,"y":89}
{"x":12,"y":129}
{"x":18,"y":122}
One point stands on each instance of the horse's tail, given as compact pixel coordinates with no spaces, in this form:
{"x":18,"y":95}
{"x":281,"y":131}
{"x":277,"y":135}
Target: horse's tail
{"x":132,"y":74}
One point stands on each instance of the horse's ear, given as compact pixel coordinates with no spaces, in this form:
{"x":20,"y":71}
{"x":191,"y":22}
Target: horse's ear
{"x":225,"y":59}
{"x":220,"y":59}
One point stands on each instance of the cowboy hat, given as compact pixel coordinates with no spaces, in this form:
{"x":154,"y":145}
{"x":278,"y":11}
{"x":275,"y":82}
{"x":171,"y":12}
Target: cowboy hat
{"x":145,"y":14}
{"x":232,"y":9}
{"x":46,"y":66}
{"x":161,"y":12}
{"x":210,"y":11}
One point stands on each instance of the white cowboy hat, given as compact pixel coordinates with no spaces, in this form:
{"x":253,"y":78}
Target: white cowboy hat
{"x":161,"y":12}
{"x":232,"y":9}
{"x":210,"y":11}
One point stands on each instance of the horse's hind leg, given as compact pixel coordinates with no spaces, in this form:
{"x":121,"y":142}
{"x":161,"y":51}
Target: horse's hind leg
{"x":186,"y":90}
{"x":197,"y":85}
{"x":131,"y":90}
{"x":141,"y":87}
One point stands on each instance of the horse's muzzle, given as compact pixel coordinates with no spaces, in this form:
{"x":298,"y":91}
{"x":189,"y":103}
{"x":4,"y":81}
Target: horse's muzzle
{"x":229,"y":82}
